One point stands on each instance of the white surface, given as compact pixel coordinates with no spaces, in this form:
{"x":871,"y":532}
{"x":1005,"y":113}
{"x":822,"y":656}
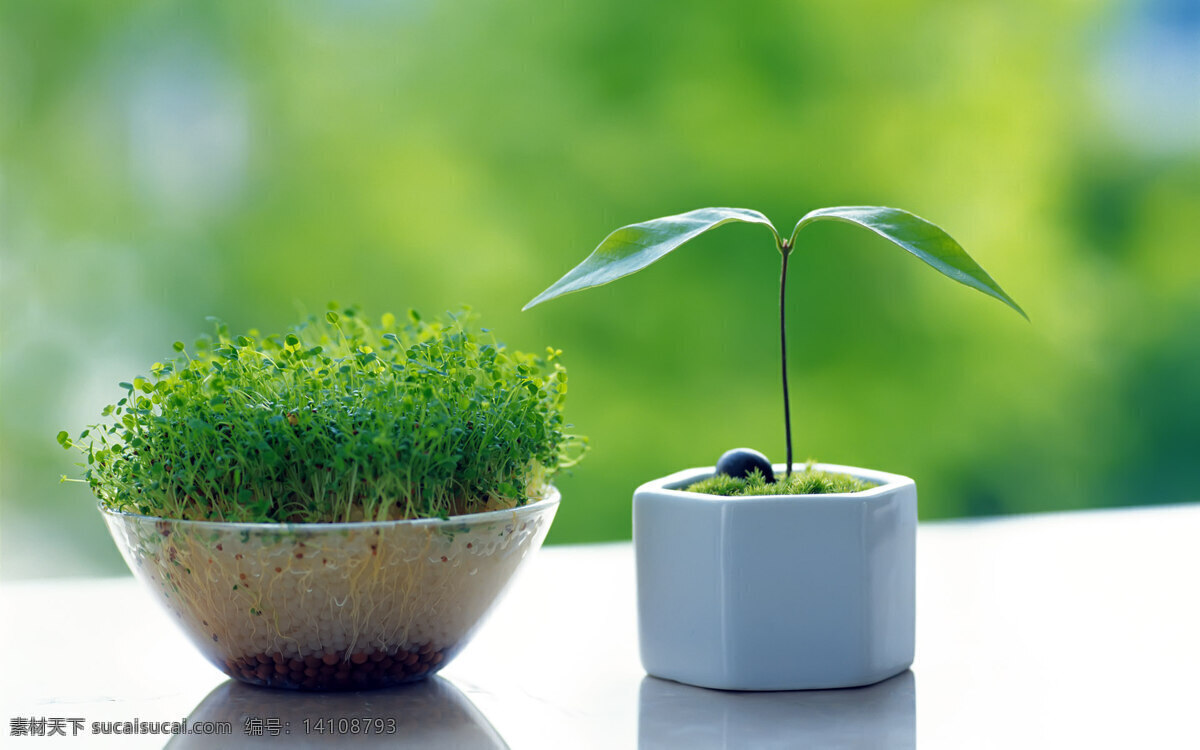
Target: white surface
{"x":1061,"y":631}
{"x":779,"y":592}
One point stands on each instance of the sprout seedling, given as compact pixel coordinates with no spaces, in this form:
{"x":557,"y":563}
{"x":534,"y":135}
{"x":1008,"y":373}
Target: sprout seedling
{"x":339,"y":419}
{"x":633,"y":247}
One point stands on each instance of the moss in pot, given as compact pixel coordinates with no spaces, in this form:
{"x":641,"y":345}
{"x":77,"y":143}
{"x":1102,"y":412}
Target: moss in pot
{"x":752,"y":576}
{"x":337,"y":506}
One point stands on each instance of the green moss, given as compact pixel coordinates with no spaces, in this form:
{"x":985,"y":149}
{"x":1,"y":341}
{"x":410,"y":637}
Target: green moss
{"x":808,"y":481}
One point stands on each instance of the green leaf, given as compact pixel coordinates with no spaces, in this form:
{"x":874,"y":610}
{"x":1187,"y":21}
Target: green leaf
{"x":923,"y":239}
{"x":632,"y":248}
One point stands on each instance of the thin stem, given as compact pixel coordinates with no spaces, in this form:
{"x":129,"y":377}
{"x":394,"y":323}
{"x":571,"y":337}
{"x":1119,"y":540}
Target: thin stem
{"x":785,"y":249}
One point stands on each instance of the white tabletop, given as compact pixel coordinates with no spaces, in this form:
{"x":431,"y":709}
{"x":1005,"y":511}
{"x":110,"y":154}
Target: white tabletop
{"x":1056,"y":631}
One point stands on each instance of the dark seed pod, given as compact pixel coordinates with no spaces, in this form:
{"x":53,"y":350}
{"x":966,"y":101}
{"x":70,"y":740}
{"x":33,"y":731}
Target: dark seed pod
{"x":739,"y":462}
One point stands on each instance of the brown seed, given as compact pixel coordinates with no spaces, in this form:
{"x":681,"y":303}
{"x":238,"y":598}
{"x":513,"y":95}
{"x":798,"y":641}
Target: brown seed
{"x":341,"y":675}
{"x":377,"y":655}
{"x":279,"y":570}
{"x":312,"y":661}
{"x":425,"y":648}
{"x":263,"y":672}
{"x":437,"y":658}
{"x":358,"y":657}
{"x":411,"y":658}
{"x":330,"y":658}
{"x":277,"y":658}
{"x":386,"y":662}
{"x":311,"y":672}
{"x":281,"y":669}
{"x":296,"y":665}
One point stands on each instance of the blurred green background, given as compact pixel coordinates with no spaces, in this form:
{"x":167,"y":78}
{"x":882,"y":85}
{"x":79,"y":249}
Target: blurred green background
{"x":162,"y":162}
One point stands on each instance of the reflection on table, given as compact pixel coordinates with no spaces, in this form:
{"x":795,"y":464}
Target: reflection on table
{"x":1074,"y":630}
{"x":429,"y":713}
{"x":883,"y":715}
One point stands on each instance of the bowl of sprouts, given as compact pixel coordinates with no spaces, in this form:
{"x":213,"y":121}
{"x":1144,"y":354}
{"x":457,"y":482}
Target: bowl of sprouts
{"x":339,"y":506}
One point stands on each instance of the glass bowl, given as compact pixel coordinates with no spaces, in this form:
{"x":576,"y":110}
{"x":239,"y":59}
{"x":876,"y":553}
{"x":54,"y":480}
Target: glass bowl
{"x":331,"y":606}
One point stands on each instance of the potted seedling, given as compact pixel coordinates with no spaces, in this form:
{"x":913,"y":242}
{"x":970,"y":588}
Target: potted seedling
{"x":337,"y":506}
{"x":753,"y":576}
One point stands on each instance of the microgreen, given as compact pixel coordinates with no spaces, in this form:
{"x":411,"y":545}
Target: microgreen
{"x":337,"y":419}
{"x":633,"y":247}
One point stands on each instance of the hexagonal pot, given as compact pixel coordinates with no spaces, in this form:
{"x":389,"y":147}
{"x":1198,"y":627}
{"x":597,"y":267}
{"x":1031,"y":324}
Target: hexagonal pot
{"x":785,"y":592}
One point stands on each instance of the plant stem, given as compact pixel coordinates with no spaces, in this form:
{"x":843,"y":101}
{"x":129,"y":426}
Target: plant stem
{"x":785,"y":250}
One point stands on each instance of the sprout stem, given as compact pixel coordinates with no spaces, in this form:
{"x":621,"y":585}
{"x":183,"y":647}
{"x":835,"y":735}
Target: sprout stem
{"x":785,"y":249}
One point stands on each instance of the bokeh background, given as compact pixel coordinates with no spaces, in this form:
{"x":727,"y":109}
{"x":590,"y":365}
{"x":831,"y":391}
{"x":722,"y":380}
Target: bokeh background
{"x":161,"y":162}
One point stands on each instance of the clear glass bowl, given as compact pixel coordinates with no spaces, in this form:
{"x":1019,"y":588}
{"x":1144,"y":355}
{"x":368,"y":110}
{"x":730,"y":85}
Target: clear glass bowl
{"x":331,"y":606}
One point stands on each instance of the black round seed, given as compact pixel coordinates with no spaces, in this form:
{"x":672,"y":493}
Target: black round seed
{"x":739,"y":462}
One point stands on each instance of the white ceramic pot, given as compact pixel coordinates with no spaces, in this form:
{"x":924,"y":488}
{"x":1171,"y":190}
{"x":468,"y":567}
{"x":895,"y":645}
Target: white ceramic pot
{"x":784,"y":592}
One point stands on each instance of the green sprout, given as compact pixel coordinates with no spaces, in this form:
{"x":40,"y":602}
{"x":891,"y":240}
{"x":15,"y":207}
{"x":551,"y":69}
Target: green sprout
{"x":336,"y":420}
{"x":633,"y":247}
